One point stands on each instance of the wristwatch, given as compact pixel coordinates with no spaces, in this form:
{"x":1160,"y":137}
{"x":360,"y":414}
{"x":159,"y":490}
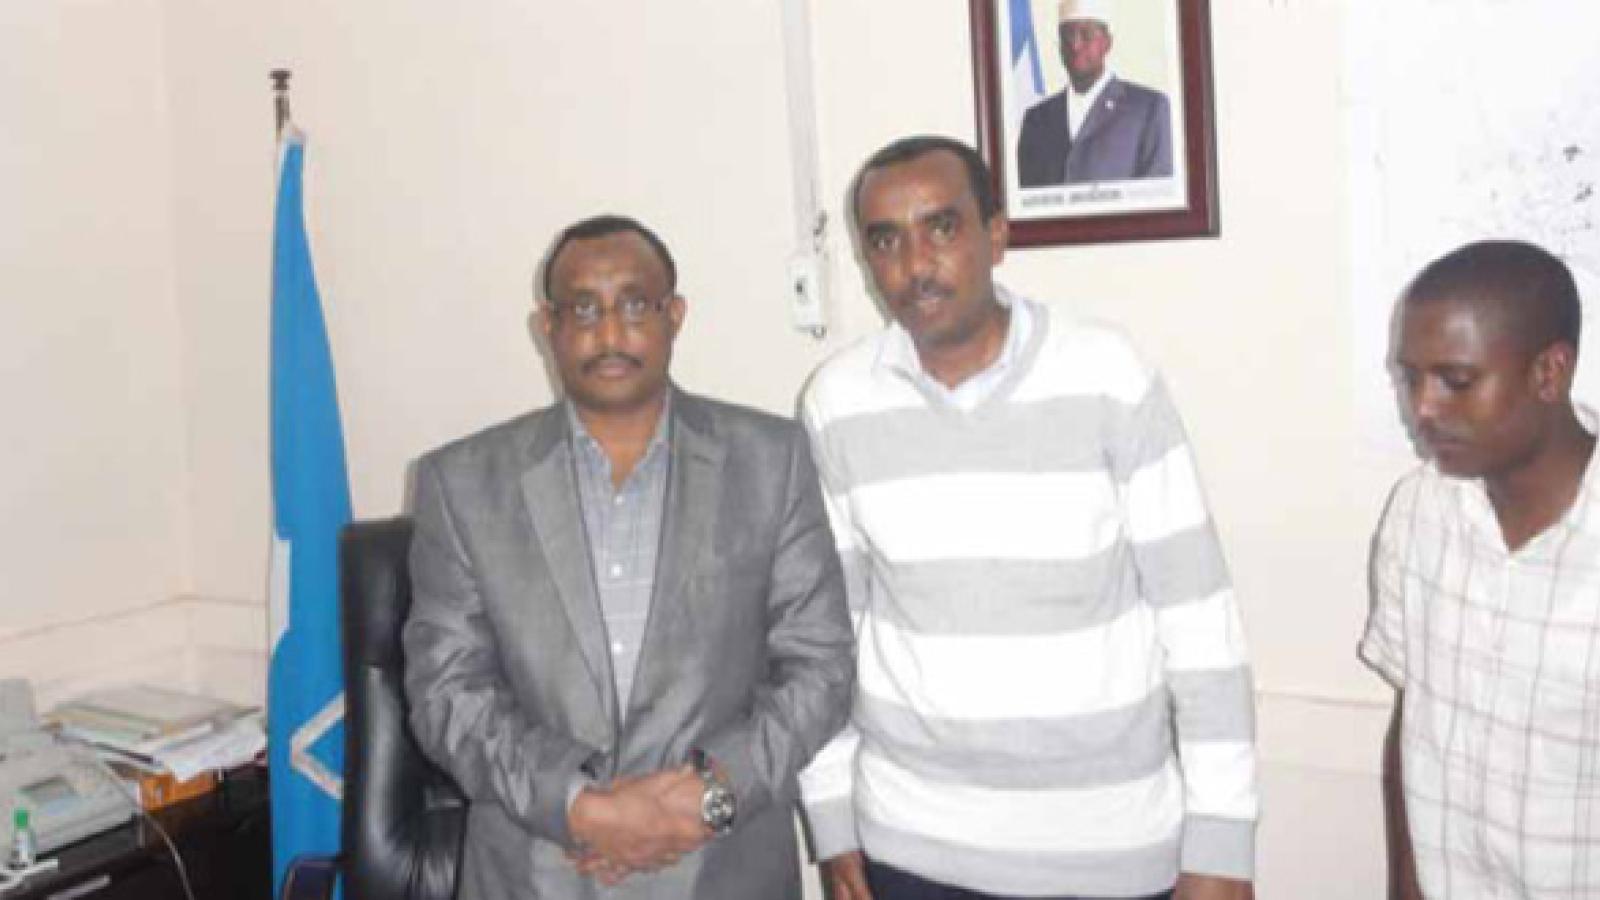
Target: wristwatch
{"x":718,"y":806}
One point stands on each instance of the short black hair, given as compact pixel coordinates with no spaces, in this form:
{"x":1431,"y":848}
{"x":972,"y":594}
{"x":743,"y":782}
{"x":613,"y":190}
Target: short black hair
{"x":601,"y":226}
{"x":1529,"y":291}
{"x":909,"y":148}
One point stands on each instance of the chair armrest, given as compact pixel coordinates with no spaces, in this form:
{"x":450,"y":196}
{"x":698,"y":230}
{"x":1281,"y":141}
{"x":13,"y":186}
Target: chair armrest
{"x":310,"y":878}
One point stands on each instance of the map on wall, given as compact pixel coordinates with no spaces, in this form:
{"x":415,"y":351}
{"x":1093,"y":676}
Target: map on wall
{"x":1467,"y":119}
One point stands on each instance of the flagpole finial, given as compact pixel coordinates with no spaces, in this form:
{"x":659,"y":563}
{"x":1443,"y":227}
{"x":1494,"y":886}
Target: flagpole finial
{"x":280,"y":99}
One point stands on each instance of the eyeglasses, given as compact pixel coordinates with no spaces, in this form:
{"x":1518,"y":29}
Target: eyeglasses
{"x":587,"y":312}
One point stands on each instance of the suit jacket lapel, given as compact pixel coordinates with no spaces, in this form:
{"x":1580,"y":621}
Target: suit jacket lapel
{"x":693,"y":493}
{"x":550,"y":491}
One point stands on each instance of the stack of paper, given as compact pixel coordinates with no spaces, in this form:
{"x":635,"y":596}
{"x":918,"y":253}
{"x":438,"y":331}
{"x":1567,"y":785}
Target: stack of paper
{"x":162,"y":730}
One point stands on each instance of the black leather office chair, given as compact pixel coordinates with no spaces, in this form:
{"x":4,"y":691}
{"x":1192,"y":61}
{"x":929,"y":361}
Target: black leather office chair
{"x":403,"y":817}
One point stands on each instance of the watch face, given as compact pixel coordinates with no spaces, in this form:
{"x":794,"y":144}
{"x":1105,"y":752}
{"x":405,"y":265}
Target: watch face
{"x":717,"y":808}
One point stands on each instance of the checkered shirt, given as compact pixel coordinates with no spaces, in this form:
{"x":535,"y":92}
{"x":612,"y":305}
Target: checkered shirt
{"x":1498,"y":655}
{"x":623,"y":526}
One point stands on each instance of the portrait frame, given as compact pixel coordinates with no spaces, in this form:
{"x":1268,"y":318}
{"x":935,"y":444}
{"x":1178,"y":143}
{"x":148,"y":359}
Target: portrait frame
{"x":1182,"y":204}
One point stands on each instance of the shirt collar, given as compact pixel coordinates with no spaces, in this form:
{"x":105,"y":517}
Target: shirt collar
{"x":899,"y":354}
{"x":583,"y":439}
{"x":1087,"y":98}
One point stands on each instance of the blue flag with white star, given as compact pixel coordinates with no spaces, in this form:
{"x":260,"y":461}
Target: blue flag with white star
{"x":1027,"y":79}
{"x":311,"y":503}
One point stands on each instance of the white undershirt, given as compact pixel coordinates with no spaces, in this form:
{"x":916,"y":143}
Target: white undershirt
{"x":1078,"y":105}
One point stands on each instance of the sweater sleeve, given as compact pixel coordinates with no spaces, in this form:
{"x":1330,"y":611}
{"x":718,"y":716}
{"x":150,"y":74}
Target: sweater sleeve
{"x":1184,"y":579}
{"x":827,"y":783}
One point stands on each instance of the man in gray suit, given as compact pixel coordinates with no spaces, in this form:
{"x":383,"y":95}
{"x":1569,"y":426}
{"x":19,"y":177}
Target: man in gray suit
{"x":1100,"y":127}
{"x":629,"y":628}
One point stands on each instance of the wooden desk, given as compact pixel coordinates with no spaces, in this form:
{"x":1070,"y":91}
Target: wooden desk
{"x":225,"y":838}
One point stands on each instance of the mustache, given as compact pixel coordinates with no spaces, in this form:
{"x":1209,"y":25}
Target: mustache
{"x":600,"y":359}
{"x":924,"y":287}
{"x":1436,"y":434}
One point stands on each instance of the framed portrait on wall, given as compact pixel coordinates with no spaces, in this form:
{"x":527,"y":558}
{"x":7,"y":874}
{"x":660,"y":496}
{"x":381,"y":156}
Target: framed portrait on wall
{"x":1096,"y":117}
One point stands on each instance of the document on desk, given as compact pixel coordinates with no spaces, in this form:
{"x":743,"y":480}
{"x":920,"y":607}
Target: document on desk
{"x":231,"y":745}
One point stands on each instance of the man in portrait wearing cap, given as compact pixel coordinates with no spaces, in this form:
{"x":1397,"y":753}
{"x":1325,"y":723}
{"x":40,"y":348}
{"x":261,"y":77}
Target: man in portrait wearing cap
{"x":1099,"y":127}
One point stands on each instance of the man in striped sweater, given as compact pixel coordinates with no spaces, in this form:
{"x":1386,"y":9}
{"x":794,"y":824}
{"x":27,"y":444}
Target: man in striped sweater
{"x":1054,"y":699}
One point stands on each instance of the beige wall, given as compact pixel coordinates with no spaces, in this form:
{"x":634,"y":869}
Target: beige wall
{"x":93,"y":499}
{"x":448,"y":142}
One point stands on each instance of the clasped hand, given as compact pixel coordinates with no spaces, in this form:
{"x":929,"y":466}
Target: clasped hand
{"x":638,"y":824}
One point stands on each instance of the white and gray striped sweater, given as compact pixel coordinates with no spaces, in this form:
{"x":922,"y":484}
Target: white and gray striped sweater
{"x":1053,"y":691}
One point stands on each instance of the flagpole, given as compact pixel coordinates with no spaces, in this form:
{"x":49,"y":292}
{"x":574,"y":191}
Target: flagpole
{"x":310,"y":504}
{"x":280,"y":98}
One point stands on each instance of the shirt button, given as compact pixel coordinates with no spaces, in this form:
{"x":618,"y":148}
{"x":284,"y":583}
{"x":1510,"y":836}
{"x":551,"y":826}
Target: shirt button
{"x":616,"y":647}
{"x":616,"y":571}
{"x":617,"y":500}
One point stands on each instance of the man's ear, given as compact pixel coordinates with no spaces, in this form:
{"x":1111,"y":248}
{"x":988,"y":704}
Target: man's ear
{"x":677,"y":309}
{"x":999,"y":237}
{"x":540,"y":321}
{"x":1553,"y":370}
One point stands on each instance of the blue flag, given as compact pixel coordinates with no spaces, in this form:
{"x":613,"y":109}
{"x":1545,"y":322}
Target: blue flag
{"x":1027,"y":79}
{"x":311,"y":503}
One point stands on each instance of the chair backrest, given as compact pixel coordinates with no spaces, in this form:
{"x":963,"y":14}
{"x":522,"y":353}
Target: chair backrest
{"x":403,"y":817}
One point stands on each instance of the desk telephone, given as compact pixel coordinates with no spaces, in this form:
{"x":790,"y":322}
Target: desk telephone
{"x":66,"y":791}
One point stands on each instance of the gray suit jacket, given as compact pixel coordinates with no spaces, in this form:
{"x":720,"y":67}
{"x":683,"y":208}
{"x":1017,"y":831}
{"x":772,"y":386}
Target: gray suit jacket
{"x":747,"y":653}
{"x":1128,"y":134}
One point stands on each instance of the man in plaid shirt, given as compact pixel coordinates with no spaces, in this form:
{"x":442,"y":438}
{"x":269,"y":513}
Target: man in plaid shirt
{"x":1486,"y":589}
